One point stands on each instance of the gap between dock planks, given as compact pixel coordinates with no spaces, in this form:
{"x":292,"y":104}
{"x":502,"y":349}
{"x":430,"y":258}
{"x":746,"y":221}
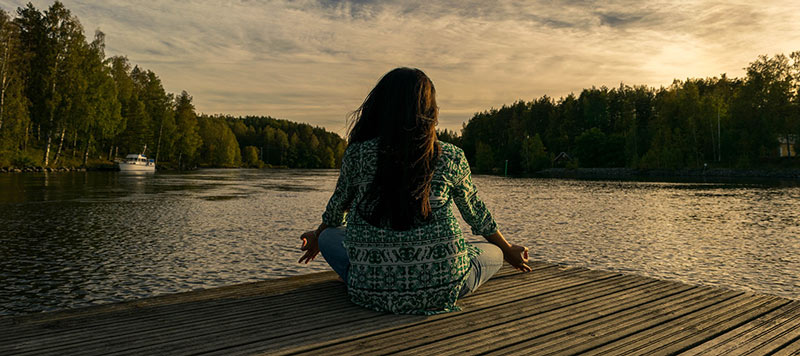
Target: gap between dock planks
{"x":554,"y":310}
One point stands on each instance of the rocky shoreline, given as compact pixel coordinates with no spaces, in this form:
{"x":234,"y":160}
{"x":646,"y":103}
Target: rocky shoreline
{"x":41,"y":169}
{"x":31,"y":169}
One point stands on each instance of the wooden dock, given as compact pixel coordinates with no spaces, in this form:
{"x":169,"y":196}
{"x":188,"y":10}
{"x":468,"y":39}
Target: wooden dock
{"x":553,"y":310}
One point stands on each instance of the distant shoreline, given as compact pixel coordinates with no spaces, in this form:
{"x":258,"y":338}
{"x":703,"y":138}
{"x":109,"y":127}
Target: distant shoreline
{"x":567,"y":173}
{"x":113,"y":168}
{"x":629,"y":173}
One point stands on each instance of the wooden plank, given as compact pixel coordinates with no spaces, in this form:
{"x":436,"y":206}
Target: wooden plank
{"x":707,"y":326}
{"x":507,"y":270}
{"x":125,"y":320}
{"x":388,"y":322}
{"x":270,"y":287}
{"x":462,"y":337}
{"x":123,"y":334}
{"x":690,"y":329}
{"x":246,"y":334}
{"x":790,"y":349}
{"x":82,"y":330}
{"x":613,"y":320}
{"x":554,"y":310}
{"x":762,"y":335}
{"x":160,"y":329}
{"x":449,"y":328}
{"x":532,"y":326}
{"x":154,"y":323}
{"x":260,"y":336}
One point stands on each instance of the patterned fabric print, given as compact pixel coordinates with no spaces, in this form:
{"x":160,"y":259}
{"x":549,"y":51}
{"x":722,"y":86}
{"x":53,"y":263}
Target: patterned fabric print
{"x":419,"y":271}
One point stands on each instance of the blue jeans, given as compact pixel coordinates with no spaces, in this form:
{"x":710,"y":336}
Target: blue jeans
{"x":482,"y":266}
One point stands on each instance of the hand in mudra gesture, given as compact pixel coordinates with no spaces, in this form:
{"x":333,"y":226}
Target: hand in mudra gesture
{"x":310,"y":246}
{"x":517,"y":257}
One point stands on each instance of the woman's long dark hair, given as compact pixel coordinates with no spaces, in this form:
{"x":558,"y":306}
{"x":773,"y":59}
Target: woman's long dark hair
{"x":401,"y":111}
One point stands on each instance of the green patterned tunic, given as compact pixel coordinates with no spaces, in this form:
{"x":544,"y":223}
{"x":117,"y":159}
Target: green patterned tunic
{"x":418,"y":271}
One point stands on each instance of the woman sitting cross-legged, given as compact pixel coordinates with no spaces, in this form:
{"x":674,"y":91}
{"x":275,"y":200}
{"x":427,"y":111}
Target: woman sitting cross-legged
{"x":401,"y":249}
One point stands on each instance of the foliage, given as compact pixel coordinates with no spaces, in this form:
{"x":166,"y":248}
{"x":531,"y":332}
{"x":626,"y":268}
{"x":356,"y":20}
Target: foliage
{"x":449,"y":136}
{"x":63,"y":101}
{"x":189,"y":139}
{"x":250,"y":157}
{"x":720,"y":121}
{"x":61,"y":98}
{"x":485,"y":157}
{"x":534,"y":156}
{"x":23,"y":160}
{"x":220,"y":148}
{"x":286,"y":143}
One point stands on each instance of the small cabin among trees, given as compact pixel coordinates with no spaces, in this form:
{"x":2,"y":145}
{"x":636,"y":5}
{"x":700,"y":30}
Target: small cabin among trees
{"x":561,"y":160}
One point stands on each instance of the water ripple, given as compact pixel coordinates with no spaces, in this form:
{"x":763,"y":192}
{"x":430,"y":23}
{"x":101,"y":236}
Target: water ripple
{"x":87,"y":238}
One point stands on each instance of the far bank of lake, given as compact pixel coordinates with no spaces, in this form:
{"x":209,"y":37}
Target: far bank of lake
{"x":727,"y":174}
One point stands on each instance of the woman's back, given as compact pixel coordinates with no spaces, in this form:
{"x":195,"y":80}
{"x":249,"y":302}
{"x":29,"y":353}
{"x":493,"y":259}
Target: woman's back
{"x":402,"y":250}
{"x":419,"y":270}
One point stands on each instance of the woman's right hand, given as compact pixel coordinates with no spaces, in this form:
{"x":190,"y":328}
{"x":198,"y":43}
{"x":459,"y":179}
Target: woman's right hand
{"x":517,"y":257}
{"x":310,"y":246}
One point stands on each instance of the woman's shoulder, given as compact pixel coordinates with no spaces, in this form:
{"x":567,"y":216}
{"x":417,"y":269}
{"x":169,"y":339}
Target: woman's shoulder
{"x":361,"y":146}
{"x":452,"y":163}
{"x":450,"y":152}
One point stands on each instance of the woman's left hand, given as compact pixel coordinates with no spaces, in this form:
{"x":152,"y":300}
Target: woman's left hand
{"x":310,"y":246}
{"x":517,"y":257}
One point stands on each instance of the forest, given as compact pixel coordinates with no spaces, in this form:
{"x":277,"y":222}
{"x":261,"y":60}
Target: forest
{"x":721,"y":122}
{"x":63,"y":103}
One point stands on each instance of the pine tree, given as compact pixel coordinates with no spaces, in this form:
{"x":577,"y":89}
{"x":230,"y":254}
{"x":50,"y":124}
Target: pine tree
{"x":187,"y":130}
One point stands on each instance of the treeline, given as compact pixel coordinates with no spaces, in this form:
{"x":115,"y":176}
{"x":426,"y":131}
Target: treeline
{"x":266,"y":140}
{"x":719,"y":122}
{"x":64,"y":103}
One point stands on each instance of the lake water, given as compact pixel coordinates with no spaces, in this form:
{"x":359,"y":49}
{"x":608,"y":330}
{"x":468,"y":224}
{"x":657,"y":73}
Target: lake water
{"x":86,"y":238}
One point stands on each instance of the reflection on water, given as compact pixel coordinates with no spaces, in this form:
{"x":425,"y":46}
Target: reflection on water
{"x":84,"y":238}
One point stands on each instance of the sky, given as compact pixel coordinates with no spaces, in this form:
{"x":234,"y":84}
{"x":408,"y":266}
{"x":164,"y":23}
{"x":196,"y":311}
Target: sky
{"x":315,"y":61}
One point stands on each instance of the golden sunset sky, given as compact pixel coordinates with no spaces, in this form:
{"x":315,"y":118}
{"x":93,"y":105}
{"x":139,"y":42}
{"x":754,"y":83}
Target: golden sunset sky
{"x":314,"y":61}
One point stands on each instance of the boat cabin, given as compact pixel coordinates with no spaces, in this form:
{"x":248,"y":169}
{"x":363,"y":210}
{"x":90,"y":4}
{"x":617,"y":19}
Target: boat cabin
{"x":137,"y":159}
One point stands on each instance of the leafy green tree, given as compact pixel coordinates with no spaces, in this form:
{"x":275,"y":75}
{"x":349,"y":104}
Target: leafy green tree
{"x":448,"y":136}
{"x":219,"y":146}
{"x":589,"y":147}
{"x":158,"y":106}
{"x":66,"y":43}
{"x":54,"y":42}
{"x":129,"y":107}
{"x":14,"y":119}
{"x":327,"y":158}
{"x":282,"y":144}
{"x":101,"y":116}
{"x":295,"y":146}
{"x":338,"y":152}
{"x":189,"y":139}
{"x":139,"y":129}
{"x":534,"y":154}
{"x":268,"y":144}
{"x":34,"y":41}
{"x":250,"y":157}
{"x":484,"y":157}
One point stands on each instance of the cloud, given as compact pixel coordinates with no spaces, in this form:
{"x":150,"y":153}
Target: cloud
{"x":314,"y":61}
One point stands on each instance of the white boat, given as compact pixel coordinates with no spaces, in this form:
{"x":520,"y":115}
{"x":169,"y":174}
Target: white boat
{"x":137,"y":163}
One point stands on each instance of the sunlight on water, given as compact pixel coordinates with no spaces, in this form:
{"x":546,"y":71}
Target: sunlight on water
{"x":76,"y":239}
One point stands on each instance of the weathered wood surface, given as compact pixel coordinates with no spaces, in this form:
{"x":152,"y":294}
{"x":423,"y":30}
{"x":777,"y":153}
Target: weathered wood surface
{"x":553,"y":310}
